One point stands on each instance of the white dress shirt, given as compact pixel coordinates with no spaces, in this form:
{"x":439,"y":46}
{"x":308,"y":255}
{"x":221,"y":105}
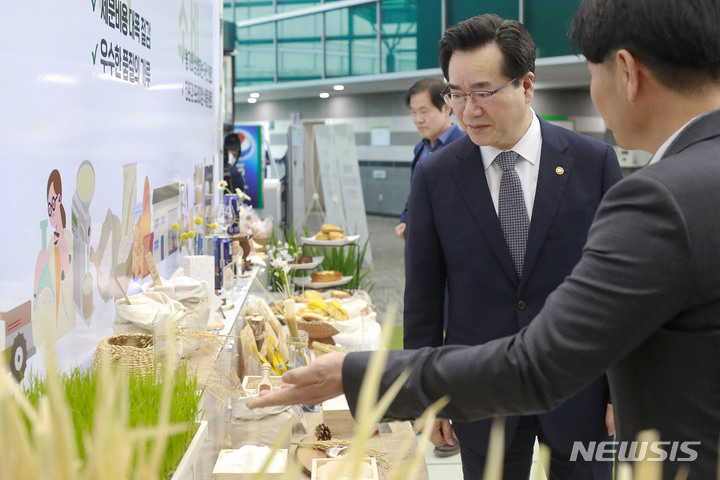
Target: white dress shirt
{"x":527,"y":166}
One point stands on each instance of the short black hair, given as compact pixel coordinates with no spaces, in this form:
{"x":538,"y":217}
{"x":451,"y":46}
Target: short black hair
{"x":232,"y":142}
{"x":677,"y":40}
{"x":433,"y":86}
{"x":511,"y":37}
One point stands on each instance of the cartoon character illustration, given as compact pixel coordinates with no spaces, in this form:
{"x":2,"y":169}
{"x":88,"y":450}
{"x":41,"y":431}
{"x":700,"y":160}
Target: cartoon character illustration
{"x":113,"y":233}
{"x":81,"y":222}
{"x":53,"y":285}
{"x":143,"y":236}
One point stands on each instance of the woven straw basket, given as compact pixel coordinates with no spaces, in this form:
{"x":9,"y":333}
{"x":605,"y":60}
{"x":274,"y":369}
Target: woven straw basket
{"x":318,"y":331}
{"x":129,"y":352}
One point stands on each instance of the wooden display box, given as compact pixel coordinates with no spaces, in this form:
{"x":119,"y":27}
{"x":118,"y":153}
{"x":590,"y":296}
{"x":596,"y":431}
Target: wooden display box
{"x":225,"y":469}
{"x":337,"y":416}
{"x":250,"y":383}
{"x":319,"y":463}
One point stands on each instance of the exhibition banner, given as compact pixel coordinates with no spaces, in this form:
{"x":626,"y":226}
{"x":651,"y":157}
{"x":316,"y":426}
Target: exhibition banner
{"x":111,"y":116}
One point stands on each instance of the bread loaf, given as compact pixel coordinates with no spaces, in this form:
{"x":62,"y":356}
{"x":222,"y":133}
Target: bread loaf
{"x":326,"y":276}
{"x":329,"y":227}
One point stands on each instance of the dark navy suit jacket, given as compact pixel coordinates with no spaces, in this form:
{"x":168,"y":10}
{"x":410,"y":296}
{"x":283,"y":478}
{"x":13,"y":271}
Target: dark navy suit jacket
{"x":453,"y":134}
{"x":454,"y":237}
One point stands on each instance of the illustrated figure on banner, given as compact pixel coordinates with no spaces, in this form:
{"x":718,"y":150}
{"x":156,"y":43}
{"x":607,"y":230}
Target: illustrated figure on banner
{"x":53,"y":285}
{"x":142,"y":236}
{"x":119,"y":262}
{"x":81,"y":230}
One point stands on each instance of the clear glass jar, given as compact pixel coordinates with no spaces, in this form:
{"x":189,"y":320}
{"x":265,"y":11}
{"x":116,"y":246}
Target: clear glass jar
{"x":299,"y":354}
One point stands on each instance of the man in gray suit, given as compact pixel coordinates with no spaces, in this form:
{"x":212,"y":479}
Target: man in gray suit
{"x":643,"y":303}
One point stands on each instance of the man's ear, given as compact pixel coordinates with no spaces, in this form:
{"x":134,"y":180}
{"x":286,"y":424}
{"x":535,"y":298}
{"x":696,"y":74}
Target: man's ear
{"x":627,"y":72}
{"x":528,"y":84}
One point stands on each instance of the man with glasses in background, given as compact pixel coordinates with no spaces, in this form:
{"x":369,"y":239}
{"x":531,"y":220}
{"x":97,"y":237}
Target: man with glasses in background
{"x":501,"y":216}
{"x":431,"y":116}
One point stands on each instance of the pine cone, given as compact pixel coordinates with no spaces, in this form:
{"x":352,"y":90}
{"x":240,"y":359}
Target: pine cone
{"x":322,"y":432}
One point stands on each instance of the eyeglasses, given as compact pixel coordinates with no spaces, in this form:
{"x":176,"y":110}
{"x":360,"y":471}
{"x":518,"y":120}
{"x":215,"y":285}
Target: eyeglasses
{"x":51,"y":204}
{"x":482,"y":98}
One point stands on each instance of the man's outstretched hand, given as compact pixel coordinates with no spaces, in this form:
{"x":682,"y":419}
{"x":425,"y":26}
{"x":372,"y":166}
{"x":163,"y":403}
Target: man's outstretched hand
{"x":309,"y":385}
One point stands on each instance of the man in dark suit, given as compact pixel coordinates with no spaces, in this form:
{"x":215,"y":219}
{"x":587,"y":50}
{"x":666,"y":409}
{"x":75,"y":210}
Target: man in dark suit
{"x":431,"y":117}
{"x":643,"y":303}
{"x":456,"y":234}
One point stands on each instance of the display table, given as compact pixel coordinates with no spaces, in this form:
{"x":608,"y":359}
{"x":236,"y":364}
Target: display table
{"x":218,"y":415}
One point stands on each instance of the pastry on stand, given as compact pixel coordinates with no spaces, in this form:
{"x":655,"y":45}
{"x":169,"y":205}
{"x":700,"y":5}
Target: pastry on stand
{"x":326,"y":276}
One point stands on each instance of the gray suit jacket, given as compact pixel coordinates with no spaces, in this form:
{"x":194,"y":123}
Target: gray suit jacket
{"x":643,"y":303}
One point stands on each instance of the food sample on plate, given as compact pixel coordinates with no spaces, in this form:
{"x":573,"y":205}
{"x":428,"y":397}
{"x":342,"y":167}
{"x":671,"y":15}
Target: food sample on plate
{"x":329,"y":231}
{"x":302,"y":259}
{"x":326,"y":276}
{"x":329,"y":311}
{"x":307,"y":296}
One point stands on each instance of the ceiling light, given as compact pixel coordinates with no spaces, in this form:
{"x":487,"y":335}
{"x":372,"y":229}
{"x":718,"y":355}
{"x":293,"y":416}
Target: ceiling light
{"x":338,"y":87}
{"x":324,"y":95}
{"x":252,"y":100}
{"x":254,"y":95}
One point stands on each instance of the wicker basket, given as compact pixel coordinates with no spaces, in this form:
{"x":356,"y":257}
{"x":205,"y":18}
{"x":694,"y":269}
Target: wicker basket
{"x":318,"y":331}
{"x":129,"y":352}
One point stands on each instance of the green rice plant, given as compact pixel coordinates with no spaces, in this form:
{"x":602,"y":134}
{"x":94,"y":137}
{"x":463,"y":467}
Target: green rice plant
{"x":348,"y":260}
{"x":145,"y":400}
{"x":143,"y":394}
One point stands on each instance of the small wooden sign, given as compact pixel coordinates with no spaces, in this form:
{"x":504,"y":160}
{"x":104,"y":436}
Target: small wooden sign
{"x":153,"y":269}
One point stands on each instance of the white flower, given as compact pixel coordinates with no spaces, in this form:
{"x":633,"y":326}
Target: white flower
{"x":222,"y":185}
{"x":281,"y":264}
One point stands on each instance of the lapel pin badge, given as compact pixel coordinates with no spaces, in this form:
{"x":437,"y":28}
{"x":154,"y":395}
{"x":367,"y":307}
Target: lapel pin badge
{"x":559,"y":170}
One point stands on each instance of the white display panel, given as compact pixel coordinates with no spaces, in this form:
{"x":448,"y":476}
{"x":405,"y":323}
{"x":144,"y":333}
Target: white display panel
{"x":340,"y":174}
{"x":114,"y":95}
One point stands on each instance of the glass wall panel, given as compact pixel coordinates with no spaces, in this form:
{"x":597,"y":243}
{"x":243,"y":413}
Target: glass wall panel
{"x":256,"y":33}
{"x":402,"y":57}
{"x":285,"y":6}
{"x":299,"y":61}
{"x":337,"y":58}
{"x":255,"y":64}
{"x":459,"y":10}
{"x":399,"y":30}
{"x":249,"y":10}
{"x":363,"y":20}
{"x":308,"y":26}
{"x":300,"y":48}
{"x":549,"y":26}
{"x":364,"y":57}
{"x":410,"y":30}
{"x":362,"y":32}
{"x":337,"y":24}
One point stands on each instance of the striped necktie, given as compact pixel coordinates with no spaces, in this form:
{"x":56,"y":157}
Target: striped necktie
{"x":512,"y":211}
